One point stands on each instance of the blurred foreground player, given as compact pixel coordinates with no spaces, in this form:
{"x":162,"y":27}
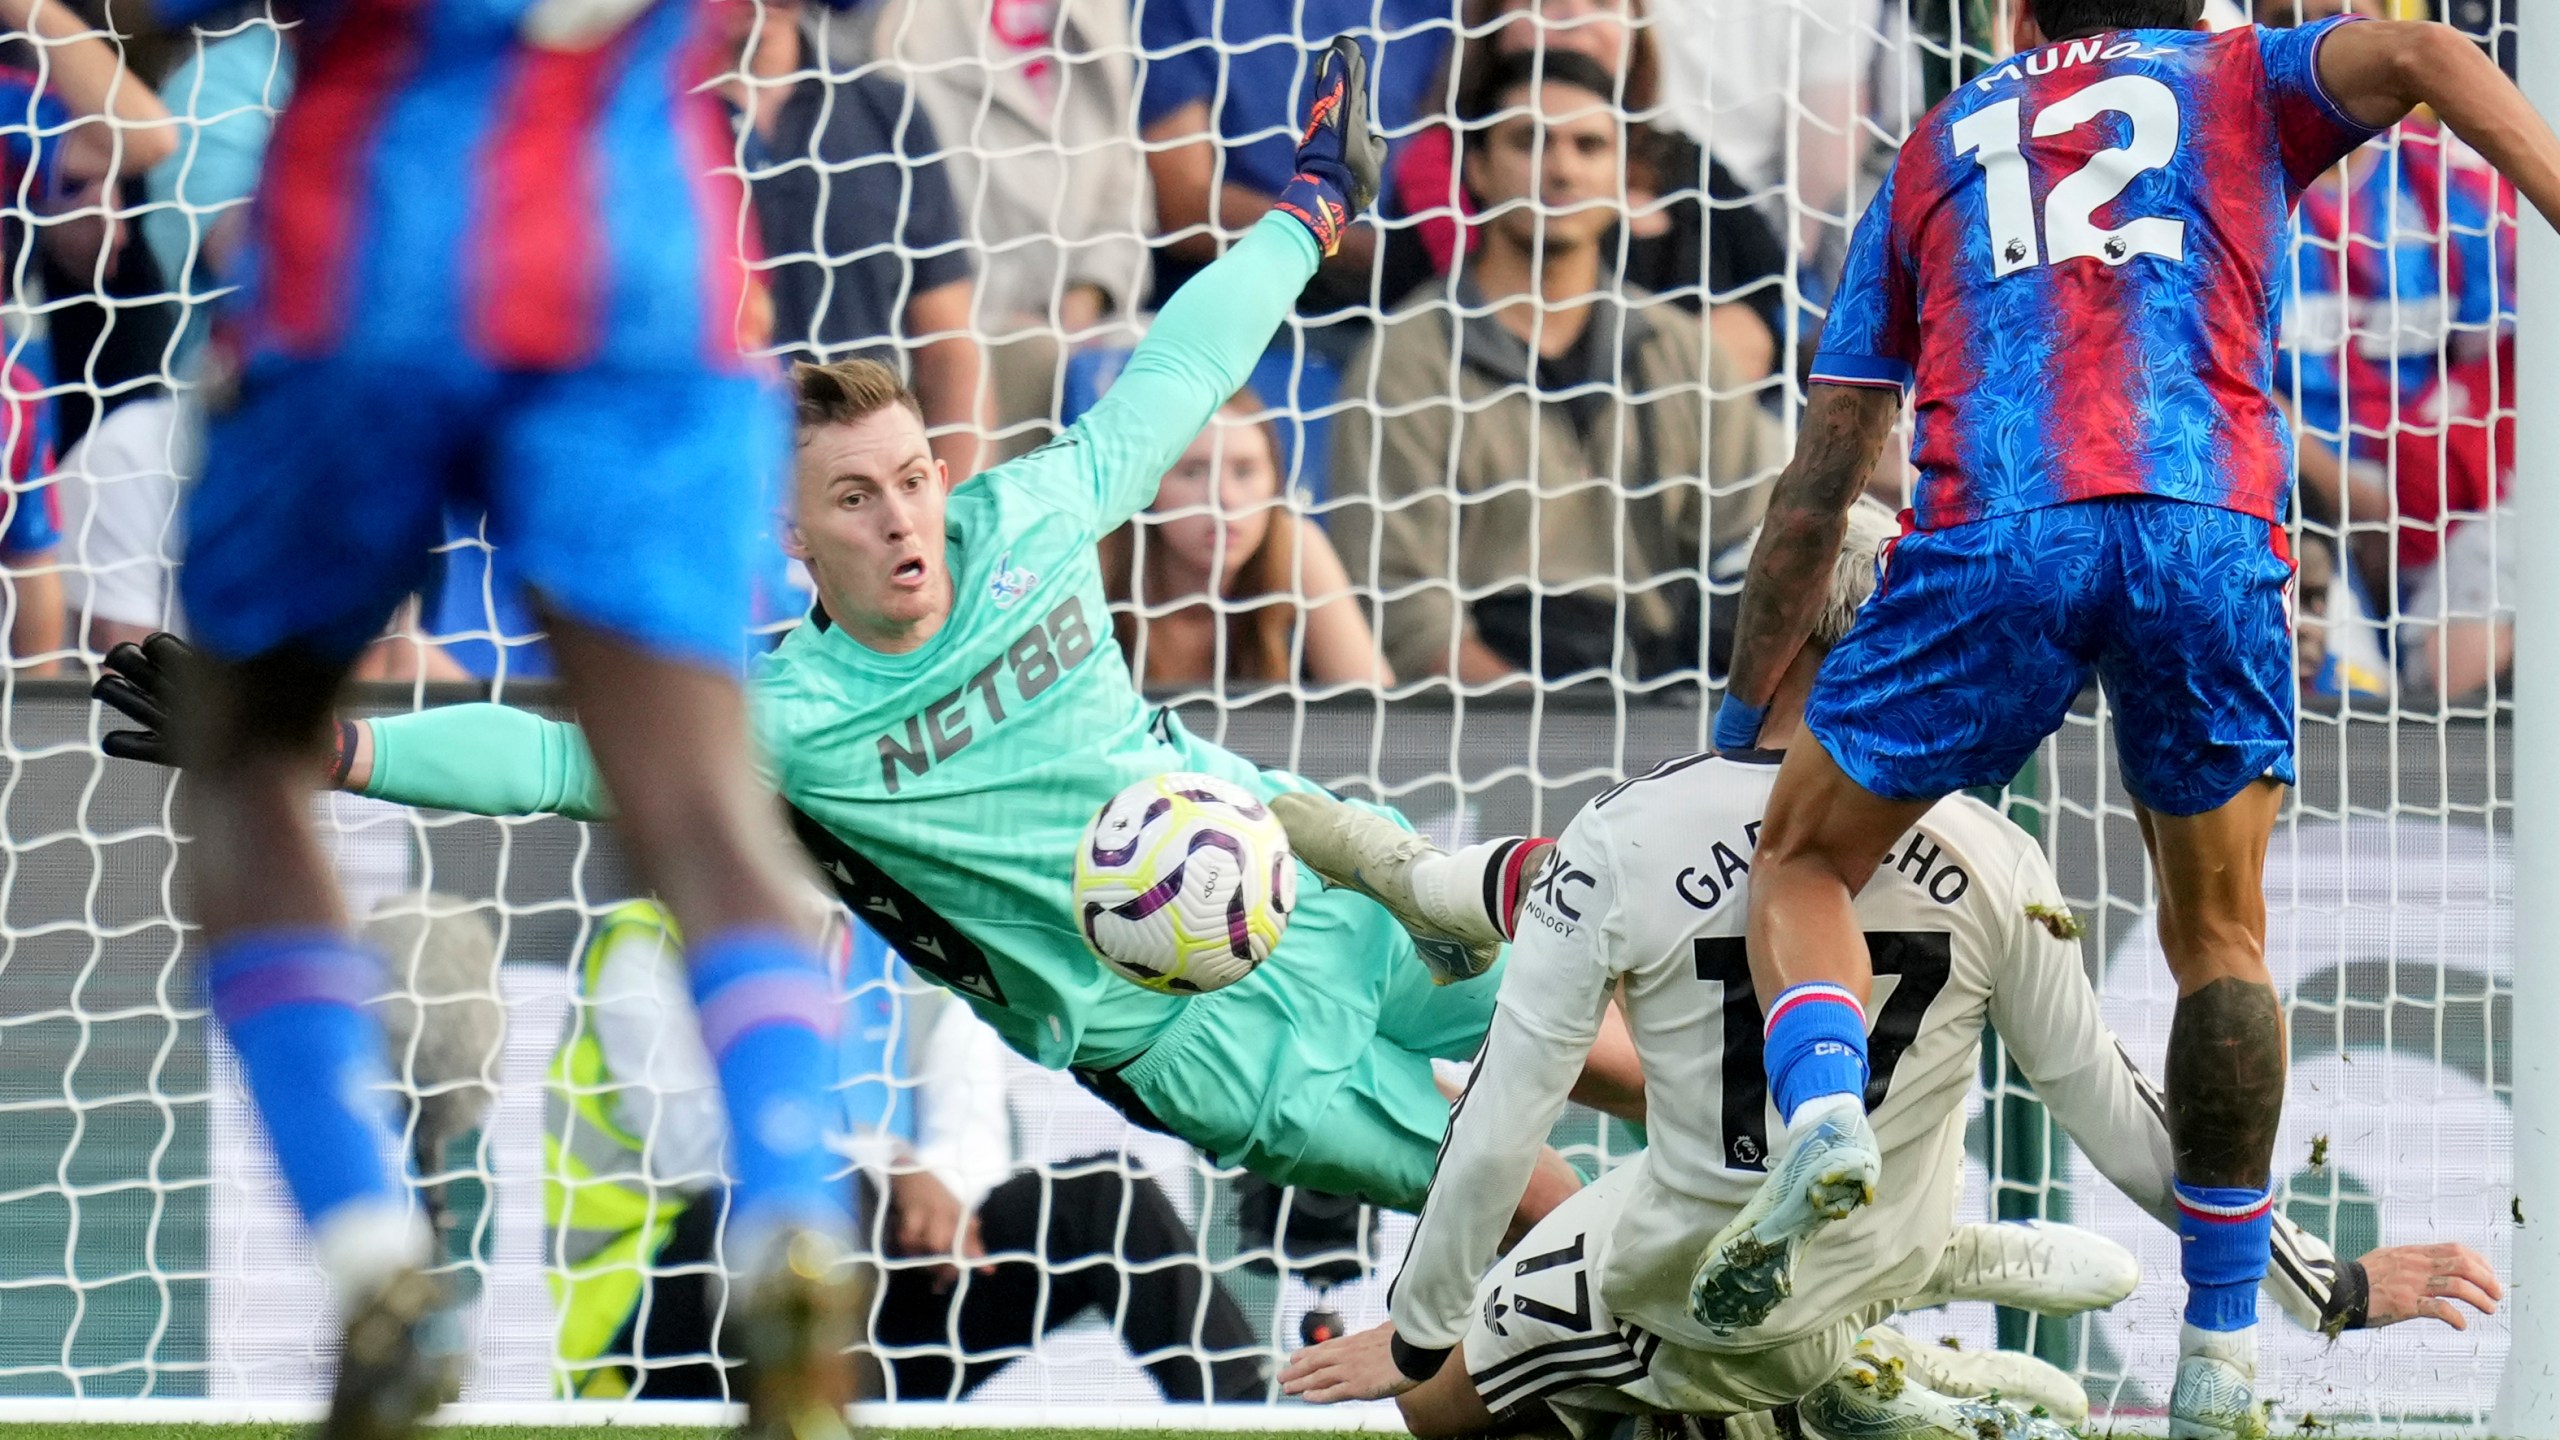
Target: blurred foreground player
{"x":2077,"y":265}
{"x":491,"y":264}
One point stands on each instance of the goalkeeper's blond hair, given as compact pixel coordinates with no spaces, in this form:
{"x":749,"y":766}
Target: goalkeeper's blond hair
{"x":844,"y":391}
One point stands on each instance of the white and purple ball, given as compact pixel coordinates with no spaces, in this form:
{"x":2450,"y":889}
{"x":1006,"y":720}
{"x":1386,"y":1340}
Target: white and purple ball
{"x":1184,"y":883}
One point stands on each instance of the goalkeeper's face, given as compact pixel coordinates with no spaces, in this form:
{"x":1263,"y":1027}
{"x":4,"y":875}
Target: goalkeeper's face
{"x":867,"y":512}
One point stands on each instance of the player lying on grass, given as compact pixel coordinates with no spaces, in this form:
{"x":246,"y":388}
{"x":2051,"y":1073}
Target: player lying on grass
{"x":2076,"y":268}
{"x":955,"y":712}
{"x":1645,"y":897}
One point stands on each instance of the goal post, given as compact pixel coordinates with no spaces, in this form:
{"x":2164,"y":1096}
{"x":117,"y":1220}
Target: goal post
{"x":2529,"y":1394}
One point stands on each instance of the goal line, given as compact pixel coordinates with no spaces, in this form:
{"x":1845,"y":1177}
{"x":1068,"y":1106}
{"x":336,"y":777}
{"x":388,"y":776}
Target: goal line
{"x":1377,"y":1418}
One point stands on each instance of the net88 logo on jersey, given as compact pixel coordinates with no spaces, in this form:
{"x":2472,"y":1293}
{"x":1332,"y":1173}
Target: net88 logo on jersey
{"x":1033,"y":661}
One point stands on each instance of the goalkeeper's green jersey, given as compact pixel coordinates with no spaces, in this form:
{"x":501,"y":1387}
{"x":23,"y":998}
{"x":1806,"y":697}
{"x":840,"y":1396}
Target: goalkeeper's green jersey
{"x":946,"y":790}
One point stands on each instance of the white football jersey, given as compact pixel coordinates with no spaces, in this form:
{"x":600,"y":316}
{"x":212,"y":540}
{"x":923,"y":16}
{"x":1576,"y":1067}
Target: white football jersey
{"x":1646,"y":895}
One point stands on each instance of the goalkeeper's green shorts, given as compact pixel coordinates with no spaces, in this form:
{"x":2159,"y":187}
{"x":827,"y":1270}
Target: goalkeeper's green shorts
{"x":1315,"y":1070}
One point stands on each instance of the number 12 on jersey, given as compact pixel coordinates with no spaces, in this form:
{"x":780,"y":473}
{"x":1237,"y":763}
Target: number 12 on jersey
{"x":1991,"y":135}
{"x":1919,"y":959}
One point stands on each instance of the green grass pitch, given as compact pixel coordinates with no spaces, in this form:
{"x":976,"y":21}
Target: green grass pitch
{"x":85,"y":1431}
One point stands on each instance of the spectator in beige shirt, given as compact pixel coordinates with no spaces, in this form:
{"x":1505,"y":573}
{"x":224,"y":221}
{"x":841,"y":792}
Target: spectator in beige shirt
{"x":1535,"y":480}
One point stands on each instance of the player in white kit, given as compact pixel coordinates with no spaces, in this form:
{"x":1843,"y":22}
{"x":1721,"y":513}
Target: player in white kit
{"x":1644,"y":898}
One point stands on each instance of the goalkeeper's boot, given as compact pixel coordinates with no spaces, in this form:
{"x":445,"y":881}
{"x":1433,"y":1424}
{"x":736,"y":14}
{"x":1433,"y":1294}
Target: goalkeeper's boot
{"x":1359,"y":849}
{"x":2216,"y":1397}
{"x":401,"y":1359}
{"x":2041,"y":1266}
{"x":797,"y":1330}
{"x":1828,"y":1171}
{"x":2039,"y":1391}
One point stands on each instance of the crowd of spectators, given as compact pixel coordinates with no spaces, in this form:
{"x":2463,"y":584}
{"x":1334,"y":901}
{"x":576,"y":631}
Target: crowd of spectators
{"x":1517,"y":432}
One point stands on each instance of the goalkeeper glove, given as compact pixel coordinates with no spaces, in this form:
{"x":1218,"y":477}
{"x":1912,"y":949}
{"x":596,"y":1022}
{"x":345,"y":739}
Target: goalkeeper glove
{"x":146,"y":683}
{"x":141,"y":684}
{"x":1339,"y":154}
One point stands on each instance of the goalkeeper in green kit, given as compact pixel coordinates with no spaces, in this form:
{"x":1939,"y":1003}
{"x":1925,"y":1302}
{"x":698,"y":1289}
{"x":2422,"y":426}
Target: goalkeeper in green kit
{"x":955,"y":711}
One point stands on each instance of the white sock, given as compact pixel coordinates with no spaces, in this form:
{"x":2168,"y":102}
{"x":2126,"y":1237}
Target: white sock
{"x":2232,"y":1347}
{"x":1820,"y":1108}
{"x":1462,"y":892}
{"x":363,"y":1243}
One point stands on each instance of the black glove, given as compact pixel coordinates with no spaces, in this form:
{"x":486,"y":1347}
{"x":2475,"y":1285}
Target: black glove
{"x":1340,"y":154}
{"x":141,"y":684}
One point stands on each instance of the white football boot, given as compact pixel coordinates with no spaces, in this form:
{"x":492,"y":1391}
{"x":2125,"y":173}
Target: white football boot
{"x":1437,"y":902}
{"x":2216,"y":1397}
{"x":2042,"y":1391}
{"x":1874,"y":1399}
{"x":2042,"y":1266}
{"x":1828,"y":1171}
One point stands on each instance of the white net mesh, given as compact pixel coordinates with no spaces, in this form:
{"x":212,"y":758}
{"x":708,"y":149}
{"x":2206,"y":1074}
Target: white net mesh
{"x":1481,"y":475}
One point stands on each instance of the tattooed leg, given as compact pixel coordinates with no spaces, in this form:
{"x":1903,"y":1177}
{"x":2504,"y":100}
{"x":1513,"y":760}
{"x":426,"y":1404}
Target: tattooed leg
{"x":2225,"y":1093}
{"x":2226,"y":1084}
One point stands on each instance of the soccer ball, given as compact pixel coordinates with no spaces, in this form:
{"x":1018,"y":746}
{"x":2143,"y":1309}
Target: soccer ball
{"x":1184,"y":883}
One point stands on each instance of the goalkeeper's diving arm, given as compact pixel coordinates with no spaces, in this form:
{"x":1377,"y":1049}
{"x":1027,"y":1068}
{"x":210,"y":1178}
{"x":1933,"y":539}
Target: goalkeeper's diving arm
{"x":1204,"y":343}
{"x":479,"y":759}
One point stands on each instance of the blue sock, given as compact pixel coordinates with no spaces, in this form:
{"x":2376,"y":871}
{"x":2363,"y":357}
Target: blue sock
{"x":768,"y":1019}
{"x":292,"y":1003}
{"x":2222,"y":1252}
{"x":1814,"y":1045}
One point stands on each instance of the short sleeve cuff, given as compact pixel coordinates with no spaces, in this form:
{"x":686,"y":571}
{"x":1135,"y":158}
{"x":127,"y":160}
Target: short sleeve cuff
{"x":1417,"y":1362}
{"x":2311,"y":74}
{"x":1874,"y":371}
{"x":938,"y":268}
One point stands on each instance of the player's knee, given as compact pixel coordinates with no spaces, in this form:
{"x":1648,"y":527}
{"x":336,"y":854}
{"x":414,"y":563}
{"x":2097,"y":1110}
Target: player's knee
{"x":2205,"y":947}
{"x":1827,"y":835}
{"x":1788,"y":841}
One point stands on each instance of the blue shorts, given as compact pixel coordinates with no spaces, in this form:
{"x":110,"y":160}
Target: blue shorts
{"x":1980,"y":636}
{"x":629,"y":500}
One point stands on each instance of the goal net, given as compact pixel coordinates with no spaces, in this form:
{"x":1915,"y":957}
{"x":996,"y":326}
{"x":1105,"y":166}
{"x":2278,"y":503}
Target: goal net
{"x":1452,"y":468}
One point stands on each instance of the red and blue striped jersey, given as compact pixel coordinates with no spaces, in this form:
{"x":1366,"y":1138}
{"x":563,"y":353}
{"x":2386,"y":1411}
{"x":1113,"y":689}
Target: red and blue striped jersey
{"x":2404,"y":271}
{"x":460,"y":178}
{"x":2078,"y":263}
